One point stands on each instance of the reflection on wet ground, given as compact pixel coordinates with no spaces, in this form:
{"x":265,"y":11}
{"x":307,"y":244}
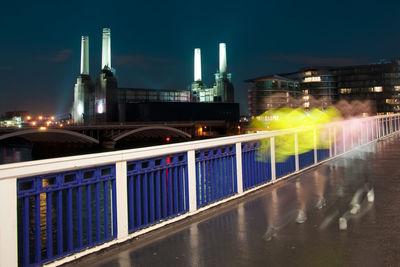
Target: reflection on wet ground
{"x":342,"y":213}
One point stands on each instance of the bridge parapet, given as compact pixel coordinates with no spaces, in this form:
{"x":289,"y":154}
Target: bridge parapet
{"x":62,"y":209}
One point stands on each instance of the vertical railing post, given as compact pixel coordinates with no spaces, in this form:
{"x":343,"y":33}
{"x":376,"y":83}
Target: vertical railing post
{"x":121,"y":181}
{"x":191,"y":161}
{"x":344,"y":137}
{"x":239,"y":173}
{"x":296,"y":150}
{"x":330,"y":141}
{"x":334,"y":141}
{"x":367,"y":137}
{"x":315,"y":147}
{"x":273,"y":165}
{"x":8,"y":228}
{"x":377,"y":129}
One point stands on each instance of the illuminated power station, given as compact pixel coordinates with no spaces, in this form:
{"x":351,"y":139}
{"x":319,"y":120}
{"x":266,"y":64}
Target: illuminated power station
{"x":105,"y":102}
{"x":222,"y":91}
{"x":84,"y":86}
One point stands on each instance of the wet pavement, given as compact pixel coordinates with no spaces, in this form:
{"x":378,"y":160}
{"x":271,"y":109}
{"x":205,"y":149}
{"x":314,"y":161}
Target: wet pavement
{"x":293,"y":223}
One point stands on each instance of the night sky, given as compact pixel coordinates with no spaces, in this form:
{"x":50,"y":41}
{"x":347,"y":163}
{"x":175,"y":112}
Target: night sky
{"x":153,"y":41}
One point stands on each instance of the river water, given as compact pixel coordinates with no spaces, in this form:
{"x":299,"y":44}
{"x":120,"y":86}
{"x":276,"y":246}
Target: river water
{"x":14,"y":153}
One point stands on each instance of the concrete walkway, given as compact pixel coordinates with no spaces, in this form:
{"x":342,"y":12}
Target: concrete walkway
{"x":293,"y":223}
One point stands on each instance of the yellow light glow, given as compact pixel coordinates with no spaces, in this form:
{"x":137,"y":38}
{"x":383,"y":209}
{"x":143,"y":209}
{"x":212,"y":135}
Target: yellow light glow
{"x":40,"y":117}
{"x":294,"y":118}
{"x":42,"y":128}
{"x":52,"y":118}
{"x":28,"y":118}
{"x":33,"y":123}
{"x":61,"y":125}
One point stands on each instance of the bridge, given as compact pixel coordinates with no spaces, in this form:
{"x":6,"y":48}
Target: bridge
{"x":66,"y":208}
{"x":109,"y":134}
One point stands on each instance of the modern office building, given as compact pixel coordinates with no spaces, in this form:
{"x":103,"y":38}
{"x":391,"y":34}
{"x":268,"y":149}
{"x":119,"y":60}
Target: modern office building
{"x":377,"y":83}
{"x":271,"y":92}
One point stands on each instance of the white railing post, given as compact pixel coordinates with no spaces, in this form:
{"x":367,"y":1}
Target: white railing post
{"x":239,"y":173}
{"x":122,"y":198}
{"x":334,"y":141}
{"x":315,"y":147}
{"x":377,"y":129}
{"x":296,"y":150}
{"x":191,"y":161}
{"x":344,"y":137}
{"x":8,"y":228}
{"x":330,"y":141}
{"x":366,"y":139}
{"x":273,"y":165}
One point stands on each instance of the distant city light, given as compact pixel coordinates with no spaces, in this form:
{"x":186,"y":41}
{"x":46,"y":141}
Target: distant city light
{"x":28,"y":118}
{"x":52,"y":118}
{"x":40,"y":117}
{"x":33,"y":123}
{"x":42,"y":128}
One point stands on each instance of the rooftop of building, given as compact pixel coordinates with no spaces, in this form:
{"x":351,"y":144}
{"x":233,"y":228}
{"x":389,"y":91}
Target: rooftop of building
{"x":270,"y":77}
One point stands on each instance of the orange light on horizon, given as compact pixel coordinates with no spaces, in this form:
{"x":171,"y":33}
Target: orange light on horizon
{"x":40,"y":117}
{"x":28,"y":118}
{"x":33,"y":123}
{"x":42,"y":128}
{"x":52,"y":118}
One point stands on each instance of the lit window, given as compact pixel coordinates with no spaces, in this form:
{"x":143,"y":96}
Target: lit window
{"x":375,"y":89}
{"x":345,"y":90}
{"x":397,"y":87}
{"x":391,"y":101}
{"x":308,"y":73}
{"x":312,"y":79}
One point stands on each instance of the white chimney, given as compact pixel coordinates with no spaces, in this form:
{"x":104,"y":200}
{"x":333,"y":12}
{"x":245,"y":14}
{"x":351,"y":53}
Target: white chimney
{"x":106,"y":53}
{"x":85,"y":55}
{"x":197,"y":65}
{"x":222,"y":58}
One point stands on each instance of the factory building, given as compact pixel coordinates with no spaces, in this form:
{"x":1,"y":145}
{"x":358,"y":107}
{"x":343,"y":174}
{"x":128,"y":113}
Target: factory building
{"x":105,"y":102}
{"x":378,"y":83}
{"x":222,"y":91}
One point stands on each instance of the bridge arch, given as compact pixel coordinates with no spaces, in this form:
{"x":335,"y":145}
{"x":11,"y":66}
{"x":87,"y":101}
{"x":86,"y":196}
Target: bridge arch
{"x":152,"y":128}
{"x":35,"y":132}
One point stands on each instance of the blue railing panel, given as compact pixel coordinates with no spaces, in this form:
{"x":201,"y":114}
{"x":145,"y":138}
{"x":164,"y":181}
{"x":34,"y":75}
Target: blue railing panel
{"x":306,"y":159}
{"x":157,"y":190}
{"x":322,"y":154}
{"x":285,"y":167}
{"x":215,"y":168}
{"x":256,"y":164}
{"x":53,"y":210}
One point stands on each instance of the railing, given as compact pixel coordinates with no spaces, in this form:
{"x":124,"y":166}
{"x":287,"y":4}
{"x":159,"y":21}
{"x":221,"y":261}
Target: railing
{"x":57,"y":210}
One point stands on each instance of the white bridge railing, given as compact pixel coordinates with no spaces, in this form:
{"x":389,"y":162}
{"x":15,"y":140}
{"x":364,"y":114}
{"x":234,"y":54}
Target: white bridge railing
{"x":57,"y":210}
